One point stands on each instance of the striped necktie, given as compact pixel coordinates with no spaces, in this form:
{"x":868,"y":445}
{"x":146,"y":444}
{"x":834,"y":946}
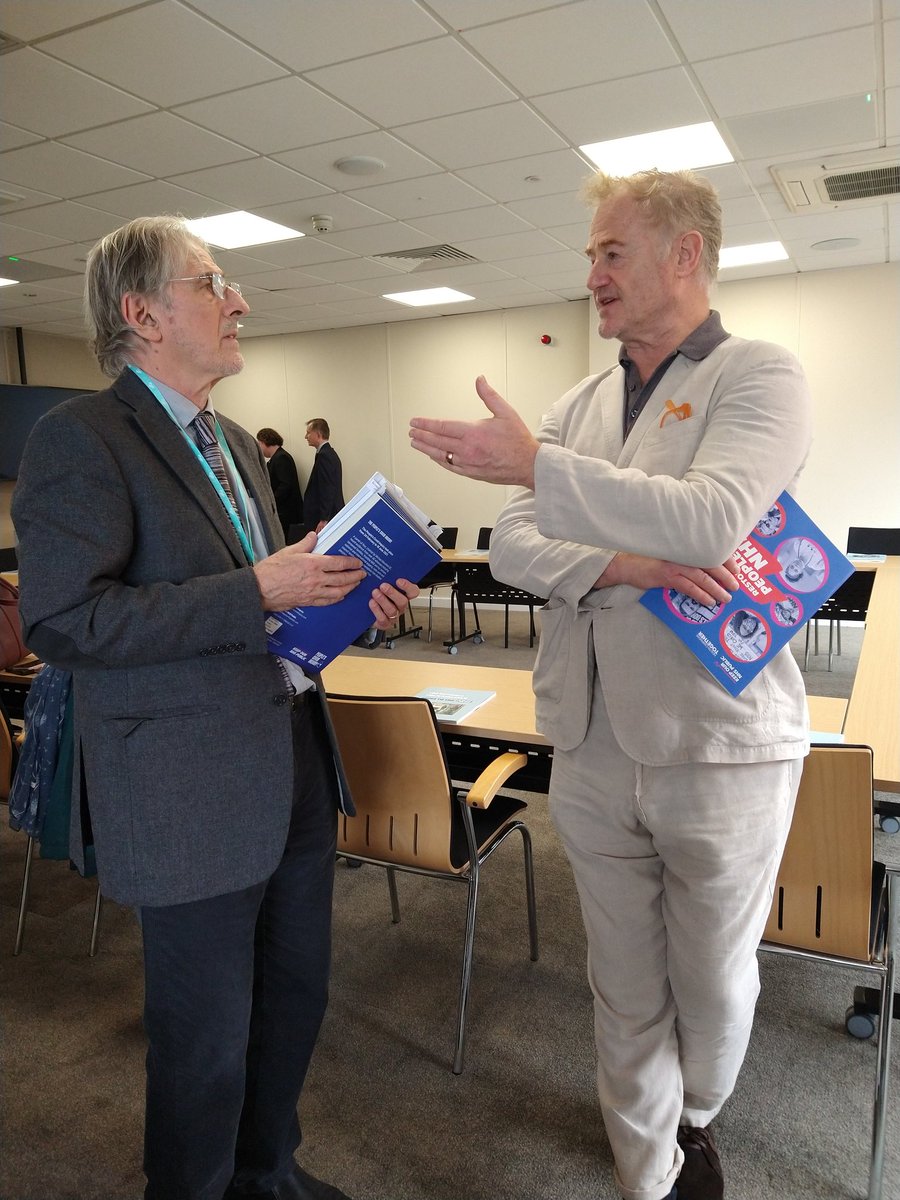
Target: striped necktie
{"x":205,"y":435}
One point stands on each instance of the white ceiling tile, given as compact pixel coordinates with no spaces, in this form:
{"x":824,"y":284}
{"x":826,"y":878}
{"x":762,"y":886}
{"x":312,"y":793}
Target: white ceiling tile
{"x":434,"y":78}
{"x":619,"y":108}
{"x":279,"y":281}
{"x":62,"y":171}
{"x":411,"y":198}
{"x":471,"y":223}
{"x":154,"y":197}
{"x":751,"y":234}
{"x":248,"y":184}
{"x":24,"y":19}
{"x":824,"y":262}
{"x":378,"y":239}
{"x":346,"y":213}
{"x":279,"y":115}
{"x":892,"y":53}
{"x":307,"y":33}
{"x":71,"y":257}
{"x":742,"y":211}
{"x":844,"y":222}
{"x":803,"y":130}
{"x":472,"y":138}
{"x":537,"y":175}
{"x":30,"y":295}
{"x":350,"y":270}
{"x":742,"y":26}
{"x":543,"y":211}
{"x":11,"y":137}
{"x":400,"y":161}
{"x":15,"y":197}
{"x":159,"y":144}
{"x":302,"y":253}
{"x":758,"y":271}
{"x":548,"y":264}
{"x":464,"y":14}
{"x":513,"y":245}
{"x":165,"y":54}
{"x":574,"y":236}
{"x":14,"y":240}
{"x":729,"y":180}
{"x":50,"y":98}
{"x":72,"y":222}
{"x":575,"y":44}
{"x":795,"y":73}
{"x":892,"y":112}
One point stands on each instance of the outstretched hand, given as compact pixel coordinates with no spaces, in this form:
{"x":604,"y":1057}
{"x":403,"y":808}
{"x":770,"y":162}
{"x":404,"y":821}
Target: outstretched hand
{"x":498,"y":449}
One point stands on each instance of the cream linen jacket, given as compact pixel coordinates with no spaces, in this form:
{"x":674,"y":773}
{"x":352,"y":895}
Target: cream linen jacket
{"x":686,"y":486}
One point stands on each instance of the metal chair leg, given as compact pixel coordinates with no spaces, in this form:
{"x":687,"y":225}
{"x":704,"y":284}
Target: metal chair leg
{"x":95,"y":926}
{"x":885,"y":1022}
{"x":395,"y":901}
{"x":466,"y":977}
{"x":23,"y":899}
{"x":529,"y":892}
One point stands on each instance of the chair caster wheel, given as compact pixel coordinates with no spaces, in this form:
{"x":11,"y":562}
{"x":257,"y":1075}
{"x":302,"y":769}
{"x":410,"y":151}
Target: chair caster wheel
{"x":453,"y":649}
{"x":859,"y":1024}
{"x":477,"y":639}
{"x":889,"y":824}
{"x":388,"y":645}
{"x":416,"y":634}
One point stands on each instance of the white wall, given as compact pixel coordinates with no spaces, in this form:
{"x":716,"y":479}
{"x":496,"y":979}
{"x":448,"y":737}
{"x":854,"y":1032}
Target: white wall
{"x":368,"y":381}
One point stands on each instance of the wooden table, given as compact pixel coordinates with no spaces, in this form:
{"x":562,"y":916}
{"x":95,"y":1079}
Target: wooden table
{"x":873,"y":714}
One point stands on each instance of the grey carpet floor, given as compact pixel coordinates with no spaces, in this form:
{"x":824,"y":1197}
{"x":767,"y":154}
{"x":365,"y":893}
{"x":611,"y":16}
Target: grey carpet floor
{"x":383,"y":1115}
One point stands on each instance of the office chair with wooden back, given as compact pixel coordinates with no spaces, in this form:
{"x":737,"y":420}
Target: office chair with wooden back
{"x":410,"y":816}
{"x":833,"y":904}
{"x":866,"y":539}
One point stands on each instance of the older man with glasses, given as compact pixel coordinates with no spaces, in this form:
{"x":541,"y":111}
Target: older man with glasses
{"x":149,"y":554}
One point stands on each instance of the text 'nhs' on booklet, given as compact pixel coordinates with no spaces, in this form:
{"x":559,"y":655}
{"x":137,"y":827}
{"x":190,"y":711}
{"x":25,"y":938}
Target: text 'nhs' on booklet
{"x":392,"y":538}
{"x":787,"y":569}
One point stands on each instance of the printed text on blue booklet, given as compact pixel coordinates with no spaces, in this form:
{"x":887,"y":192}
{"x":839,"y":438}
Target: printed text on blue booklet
{"x":787,"y":569}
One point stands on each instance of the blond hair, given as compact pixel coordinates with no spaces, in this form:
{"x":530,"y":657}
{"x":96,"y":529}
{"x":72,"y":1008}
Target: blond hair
{"x":673,"y":202}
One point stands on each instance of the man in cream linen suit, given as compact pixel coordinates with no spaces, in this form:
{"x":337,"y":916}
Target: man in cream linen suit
{"x":204,"y":769}
{"x":673,"y":798}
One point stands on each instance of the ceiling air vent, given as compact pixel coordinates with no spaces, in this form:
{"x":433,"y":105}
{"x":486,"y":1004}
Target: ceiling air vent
{"x":854,"y":180}
{"x":423,"y":259}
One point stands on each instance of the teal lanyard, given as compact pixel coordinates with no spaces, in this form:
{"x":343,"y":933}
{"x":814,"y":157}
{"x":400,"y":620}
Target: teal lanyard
{"x":211,"y":475}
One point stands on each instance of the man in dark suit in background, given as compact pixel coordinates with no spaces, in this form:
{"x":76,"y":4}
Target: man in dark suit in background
{"x":324,"y":489}
{"x":283,"y":478}
{"x":149,"y":556}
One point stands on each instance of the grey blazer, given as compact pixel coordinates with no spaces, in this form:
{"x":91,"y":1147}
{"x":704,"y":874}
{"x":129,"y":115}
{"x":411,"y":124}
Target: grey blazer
{"x":133,"y":578}
{"x":687,"y":490}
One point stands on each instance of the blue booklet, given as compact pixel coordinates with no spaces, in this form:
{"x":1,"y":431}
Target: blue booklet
{"x":393,"y":539}
{"x":787,"y":569}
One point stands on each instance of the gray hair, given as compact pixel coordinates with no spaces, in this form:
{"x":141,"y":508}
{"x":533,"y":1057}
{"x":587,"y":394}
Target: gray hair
{"x":672,"y":202}
{"x":140,"y":257}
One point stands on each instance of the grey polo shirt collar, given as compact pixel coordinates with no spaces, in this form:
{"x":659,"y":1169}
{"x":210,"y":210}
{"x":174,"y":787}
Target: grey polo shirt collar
{"x":699,"y":343}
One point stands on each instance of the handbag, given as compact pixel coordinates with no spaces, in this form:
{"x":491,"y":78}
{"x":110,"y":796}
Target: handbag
{"x":12,"y":648}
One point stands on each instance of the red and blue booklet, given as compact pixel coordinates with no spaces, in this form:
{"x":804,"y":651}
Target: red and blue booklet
{"x":392,"y":538}
{"x":787,"y":568}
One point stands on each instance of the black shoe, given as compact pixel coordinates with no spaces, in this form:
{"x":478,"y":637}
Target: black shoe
{"x":299,"y":1185}
{"x":701,"y":1175}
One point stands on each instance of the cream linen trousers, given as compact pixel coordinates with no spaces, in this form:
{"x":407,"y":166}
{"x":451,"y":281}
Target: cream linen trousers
{"x":675,"y":868}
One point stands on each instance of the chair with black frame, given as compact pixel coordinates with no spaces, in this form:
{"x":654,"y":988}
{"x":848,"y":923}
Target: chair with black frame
{"x":849,"y":603}
{"x":867,"y":539}
{"x":411,"y":817}
{"x":443,"y":575}
{"x":834,"y":904}
{"x":9,"y":559}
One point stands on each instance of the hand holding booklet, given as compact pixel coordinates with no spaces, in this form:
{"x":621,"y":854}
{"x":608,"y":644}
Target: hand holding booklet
{"x":787,"y":568}
{"x":392,"y":538}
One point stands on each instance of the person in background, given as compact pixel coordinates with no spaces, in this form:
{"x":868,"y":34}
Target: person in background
{"x":324,"y":489}
{"x":205,"y":771}
{"x":283,"y":478}
{"x":672,"y":797}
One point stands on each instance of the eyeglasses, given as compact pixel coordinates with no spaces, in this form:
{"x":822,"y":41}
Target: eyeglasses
{"x":215,"y":280}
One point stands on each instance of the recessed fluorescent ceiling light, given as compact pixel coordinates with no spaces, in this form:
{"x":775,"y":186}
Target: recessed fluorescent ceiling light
{"x":235,"y":229}
{"x":8,"y":282}
{"x":427,"y":296}
{"x":688,"y":146}
{"x":745,"y":256}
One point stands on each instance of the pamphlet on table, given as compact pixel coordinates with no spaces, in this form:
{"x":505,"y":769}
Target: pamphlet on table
{"x":392,"y":538}
{"x":787,"y":568}
{"x":452,"y":705}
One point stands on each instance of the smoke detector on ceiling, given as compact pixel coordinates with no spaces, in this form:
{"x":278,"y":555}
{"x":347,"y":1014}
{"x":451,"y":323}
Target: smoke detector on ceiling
{"x":850,"y":181}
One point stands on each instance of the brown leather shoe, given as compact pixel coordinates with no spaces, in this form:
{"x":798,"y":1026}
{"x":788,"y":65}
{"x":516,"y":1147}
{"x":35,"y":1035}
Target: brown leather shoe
{"x":701,"y":1175}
